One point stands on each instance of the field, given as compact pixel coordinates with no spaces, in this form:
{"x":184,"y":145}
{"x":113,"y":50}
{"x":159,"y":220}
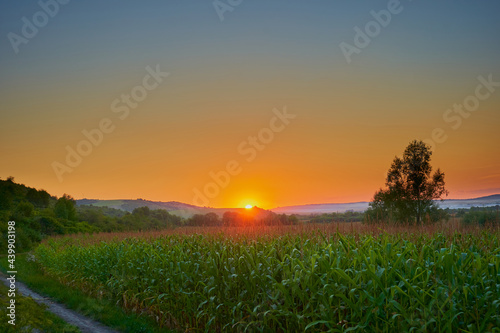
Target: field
{"x":335,"y":277}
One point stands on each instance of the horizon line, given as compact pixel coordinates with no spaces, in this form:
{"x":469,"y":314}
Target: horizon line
{"x":310,"y":204}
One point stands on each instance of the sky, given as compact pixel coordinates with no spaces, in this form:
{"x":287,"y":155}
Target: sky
{"x":235,"y":102}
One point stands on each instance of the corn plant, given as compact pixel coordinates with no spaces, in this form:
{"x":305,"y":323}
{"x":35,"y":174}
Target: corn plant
{"x":293,"y":282}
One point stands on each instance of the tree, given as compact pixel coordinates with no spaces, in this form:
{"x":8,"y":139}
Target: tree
{"x":230,"y":219}
{"x":50,"y":225}
{"x":410,"y":188}
{"x":65,"y":208}
{"x":142,"y":211}
{"x":23,"y":211}
{"x":207,"y":220}
{"x":6,"y":198}
{"x":211,"y":220}
{"x":40,"y":198}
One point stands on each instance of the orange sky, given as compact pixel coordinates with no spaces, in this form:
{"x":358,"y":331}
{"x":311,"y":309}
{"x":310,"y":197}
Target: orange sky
{"x":350,"y":119}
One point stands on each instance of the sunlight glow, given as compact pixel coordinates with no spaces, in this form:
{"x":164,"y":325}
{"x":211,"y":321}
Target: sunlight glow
{"x":248,"y":206}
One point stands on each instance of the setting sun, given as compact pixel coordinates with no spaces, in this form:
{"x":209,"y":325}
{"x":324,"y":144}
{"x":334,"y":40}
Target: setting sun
{"x":248,"y":206}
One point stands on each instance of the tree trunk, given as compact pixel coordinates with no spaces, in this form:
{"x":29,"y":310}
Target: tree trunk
{"x":418,"y":209}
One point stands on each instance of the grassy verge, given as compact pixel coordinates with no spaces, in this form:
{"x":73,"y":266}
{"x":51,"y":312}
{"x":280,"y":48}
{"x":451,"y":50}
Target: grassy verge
{"x":30,"y":316}
{"x":101,"y":310}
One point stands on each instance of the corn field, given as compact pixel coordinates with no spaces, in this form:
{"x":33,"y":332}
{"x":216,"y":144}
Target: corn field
{"x":312,"y":280}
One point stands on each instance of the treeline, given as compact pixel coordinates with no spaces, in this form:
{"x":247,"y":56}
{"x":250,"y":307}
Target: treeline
{"x":473,"y":215}
{"x":386,"y":213}
{"x":37,"y":214}
{"x":479,"y":215}
{"x":142,"y":218}
{"x":348,"y":216}
{"x":253,"y":217}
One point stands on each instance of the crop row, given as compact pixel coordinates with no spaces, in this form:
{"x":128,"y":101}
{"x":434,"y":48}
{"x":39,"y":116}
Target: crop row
{"x":336,"y":283}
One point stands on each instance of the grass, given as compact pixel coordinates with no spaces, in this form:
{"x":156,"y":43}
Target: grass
{"x":337,"y":278}
{"x":30,"y":316}
{"x":99,"y":309}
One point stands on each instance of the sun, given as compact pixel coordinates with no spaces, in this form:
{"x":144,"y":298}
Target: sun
{"x":248,"y":206}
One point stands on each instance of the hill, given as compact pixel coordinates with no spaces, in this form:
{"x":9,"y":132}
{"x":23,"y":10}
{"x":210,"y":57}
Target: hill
{"x":322,"y":208}
{"x":186,"y":210}
{"x":36,"y":214}
{"x":486,"y":201}
{"x":173,"y":207}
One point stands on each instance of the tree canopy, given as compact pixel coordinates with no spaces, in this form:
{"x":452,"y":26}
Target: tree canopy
{"x":411,"y":189}
{"x":37,"y":215}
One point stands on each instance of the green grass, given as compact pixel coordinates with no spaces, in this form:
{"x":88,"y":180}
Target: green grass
{"x":102,"y":310}
{"x":30,"y":316}
{"x":294,"y":282}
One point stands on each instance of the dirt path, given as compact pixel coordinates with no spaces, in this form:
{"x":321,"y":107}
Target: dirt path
{"x":83,"y":323}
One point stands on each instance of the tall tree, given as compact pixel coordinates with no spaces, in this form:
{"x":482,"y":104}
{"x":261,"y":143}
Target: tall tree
{"x":65,"y":208}
{"x":411,"y":188}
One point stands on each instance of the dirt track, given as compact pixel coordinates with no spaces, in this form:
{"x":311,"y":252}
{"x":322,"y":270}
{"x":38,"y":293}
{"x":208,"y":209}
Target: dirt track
{"x":83,"y":323}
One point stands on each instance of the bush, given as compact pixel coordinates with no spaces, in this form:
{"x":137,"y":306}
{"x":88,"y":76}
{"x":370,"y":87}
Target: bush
{"x":481,"y":217}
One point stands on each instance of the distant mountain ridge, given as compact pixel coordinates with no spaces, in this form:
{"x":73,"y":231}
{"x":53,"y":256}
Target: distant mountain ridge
{"x":187,"y":210}
{"x":486,"y":201}
{"x":174,"y":207}
{"x":322,"y":208}
{"x":130,"y":205}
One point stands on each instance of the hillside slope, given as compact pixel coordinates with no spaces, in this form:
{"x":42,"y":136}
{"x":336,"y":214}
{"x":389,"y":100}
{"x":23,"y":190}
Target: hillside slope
{"x":487,"y":201}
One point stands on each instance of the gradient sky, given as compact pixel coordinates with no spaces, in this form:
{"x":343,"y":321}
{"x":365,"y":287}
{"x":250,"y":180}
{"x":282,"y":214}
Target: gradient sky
{"x":226,"y":77}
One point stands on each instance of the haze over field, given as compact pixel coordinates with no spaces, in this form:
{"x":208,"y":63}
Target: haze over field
{"x":270,"y":103}
{"x":187,"y":210}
